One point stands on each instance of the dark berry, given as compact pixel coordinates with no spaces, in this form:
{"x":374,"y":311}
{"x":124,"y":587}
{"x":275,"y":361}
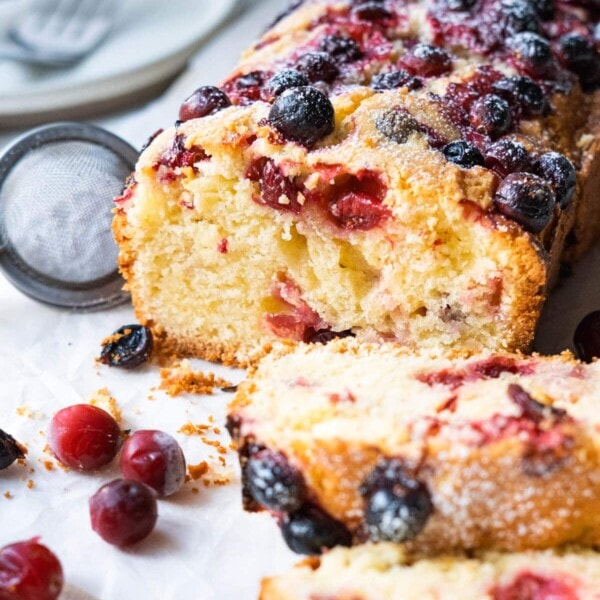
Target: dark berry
{"x":29,"y":571}
{"x":324,"y":336}
{"x":154,"y":458}
{"x":519,"y":15}
{"x":310,"y":531}
{"x":491,"y":115}
{"x":463,"y":154}
{"x":397,"y":125}
{"x":317,"y":66}
{"x":426,"y":60}
{"x":276,"y":190}
{"x":206,"y":100}
{"x":579,"y":55}
{"x":507,"y":156}
{"x":273,"y":482}
{"x":357,"y":211}
{"x":458,"y":5}
{"x":370,"y":11}
{"x":397,"y":506}
{"x":84,"y":437}
{"x":303,"y":115}
{"x":560,"y":173}
{"x":587,"y":337}
{"x":395,"y":79}
{"x":531,"y":409}
{"x":343,"y":49}
{"x":10,"y":450}
{"x":286,"y":80}
{"x":524,"y":92}
{"x":544,"y":8}
{"x":123,"y":512}
{"x":532,"y":52}
{"x":128,"y":347}
{"x":526,"y":199}
{"x":250,"y":80}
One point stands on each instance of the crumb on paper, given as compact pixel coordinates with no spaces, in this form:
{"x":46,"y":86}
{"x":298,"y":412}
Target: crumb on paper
{"x":8,"y":495}
{"x":198,"y":429}
{"x":24,"y":411}
{"x":182,"y":379}
{"x":198,"y":471}
{"x":195,"y":490}
{"x":103,"y":399}
{"x":30,"y":484}
{"x":49,"y":465}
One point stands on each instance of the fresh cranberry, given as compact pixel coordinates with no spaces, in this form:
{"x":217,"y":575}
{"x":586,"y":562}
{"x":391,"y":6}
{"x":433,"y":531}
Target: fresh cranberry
{"x":154,"y":458}
{"x":519,"y":15}
{"x":491,"y":115}
{"x":29,"y":571}
{"x":527,"y":199}
{"x":317,"y":66}
{"x":304,"y":115}
{"x":123,"y":512}
{"x":286,"y":80}
{"x":524,"y":92}
{"x":397,"y":125}
{"x":531,"y":586}
{"x":579,"y":55}
{"x":532,"y":52}
{"x":370,"y":11}
{"x":276,"y":190}
{"x":559,"y":171}
{"x":343,"y":49}
{"x":587,"y":337}
{"x":10,"y":450}
{"x":395,"y":79}
{"x":507,"y":156}
{"x":463,"y":154}
{"x":84,"y":437}
{"x":206,"y":100}
{"x":426,"y":60}
{"x":128,"y":347}
{"x":357,"y":211}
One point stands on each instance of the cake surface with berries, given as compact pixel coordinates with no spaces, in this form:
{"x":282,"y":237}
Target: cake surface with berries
{"x":406,"y":171}
{"x":387,"y":572}
{"x":349,"y":442}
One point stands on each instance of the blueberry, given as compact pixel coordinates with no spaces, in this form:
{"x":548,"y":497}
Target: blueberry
{"x":397,"y":506}
{"x":370,"y":11}
{"x":395,"y":79}
{"x":533,"y":52}
{"x":273,"y":482}
{"x":310,"y":531}
{"x":303,"y":115}
{"x":491,"y":115}
{"x":524,"y":92}
{"x":343,"y":49}
{"x":519,"y":15}
{"x":128,"y":347}
{"x":579,"y":55}
{"x":427,"y":60}
{"x":10,"y":450}
{"x":526,"y":199}
{"x":206,"y":100}
{"x":397,"y":125}
{"x":507,"y":156}
{"x":463,"y":154}
{"x":286,"y":80}
{"x":587,"y":337}
{"x":317,"y":66}
{"x":458,"y":5}
{"x":544,"y":8}
{"x":560,"y":173}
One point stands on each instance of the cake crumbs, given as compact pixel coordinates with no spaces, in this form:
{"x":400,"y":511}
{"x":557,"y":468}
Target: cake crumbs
{"x":30,"y":484}
{"x":182,"y":379}
{"x":103,"y":399}
{"x":8,"y":495}
{"x":198,"y":471}
{"x":24,"y":411}
{"x":49,"y":465}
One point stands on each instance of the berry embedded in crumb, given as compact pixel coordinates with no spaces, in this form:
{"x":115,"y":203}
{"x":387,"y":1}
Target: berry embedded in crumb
{"x":317,"y":66}
{"x":29,"y":571}
{"x":532,"y":52}
{"x":123,"y":512}
{"x":84,"y":437}
{"x":463,"y":154}
{"x":507,"y":156}
{"x":578,"y":54}
{"x":526,"y":199}
{"x":128,"y":347}
{"x":273,"y":482}
{"x":304,"y":115}
{"x":395,"y":79}
{"x":370,"y":11}
{"x":343,"y":49}
{"x":518,"y":16}
{"x":560,"y":173}
{"x":397,"y":125}
{"x":10,"y":450}
{"x":491,"y":115}
{"x":310,"y":531}
{"x":206,"y":100}
{"x":524,"y":92}
{"x":324,"y":336}
{"x":426,"y":60}
{"x":397,"y":506}
{"x":357,"y":211}
{"x":587,"y":337}
{"x":531,"y":586}
{"x":155,"y":459}
{"x":544,"y":8}
{"x":286,"y":80}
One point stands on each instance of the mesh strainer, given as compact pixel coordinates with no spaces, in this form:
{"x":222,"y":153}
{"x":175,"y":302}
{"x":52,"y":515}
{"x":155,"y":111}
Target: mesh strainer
{"x":57,"y":184}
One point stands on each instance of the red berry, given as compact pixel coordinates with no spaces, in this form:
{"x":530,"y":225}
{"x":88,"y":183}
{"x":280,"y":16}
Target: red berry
{"x":358,"y":211}
{"x":206,"y":100}
{"x":29,"y":571}
{"x":154,"y":458}
{"x":427,"y":60}
{"x":123,"y":512}
{"x":84,"y":437}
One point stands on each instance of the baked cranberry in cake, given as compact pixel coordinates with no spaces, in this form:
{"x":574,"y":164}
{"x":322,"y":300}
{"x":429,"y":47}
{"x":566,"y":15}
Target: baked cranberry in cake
{"x":533,"y":53}
{"x":276,"y":190}
{"x":491,"y":115}
{"x":426,"y":60}
{"x":507,"y":156}
{"x":532,"y":586}
{"x":560,"y":173}
{"x":463,"y":154}
{"x":206,"y":100}
{"x":128,"y":347}
{"x":395,"y":79}
{"x":370,"y":10}
{"x":522,"y":91}
{"x":286,"y":80}
{"x":341,"y":48}
{"x":317,"y":66}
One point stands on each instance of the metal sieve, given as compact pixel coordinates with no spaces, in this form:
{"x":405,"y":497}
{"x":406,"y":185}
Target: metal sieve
{"x":57,"y":183}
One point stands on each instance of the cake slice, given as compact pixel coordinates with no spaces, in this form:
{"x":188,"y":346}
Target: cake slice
{"x":348,"y":442}
{"x":387,"y":572}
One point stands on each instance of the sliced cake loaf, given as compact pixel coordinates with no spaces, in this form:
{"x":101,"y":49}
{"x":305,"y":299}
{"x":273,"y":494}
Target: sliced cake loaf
{"x":347,"y":442}
{"x":386,"y":170}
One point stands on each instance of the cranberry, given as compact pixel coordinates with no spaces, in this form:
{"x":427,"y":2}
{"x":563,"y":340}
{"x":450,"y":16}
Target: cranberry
{"x":426,"y":60}
{"x":154,"y":458}
{"x":343,"y":49}
{"x":491,"y":115}
{"x":10,"y":450}
{"x":317,"y":66}
{"x":357,"y":211}
{"x":580,"y":56}
{"x":559,"y":171}
{"x":128,"y":347}
{"x":530,"y":586}
{"x":84,"y":437}
{"x":395,"y":79}
{"x":29,"y":571}
{"x":276,"y":190}
{"x":532,"y":52}
{"x":397,"y":506}
{"x":303,"y":115}
{"x":458,"y":5}
{"x":507,"y":156}
{"x":463,"y":154}
{"x":310,"y":531}
{"x":524,"y":92}
{"x":527,"y":199}
{"x":123,"y":512}
{"x":324,"y":336}
{"x":587,"y":337}
{"x":206,"y":100}
{"x":370,"y":11}
{"x":544,"y":8}
{"x":397,"y":125}
{"x":286,"y":80}
{"x":531,"y":409}
{"x":519,"y":15}
{"x":273,"y":482}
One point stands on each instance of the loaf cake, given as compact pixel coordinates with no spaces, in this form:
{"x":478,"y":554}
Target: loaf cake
{"x":389,"y":170}
{"x":387,"y":572}
{"x":347,"y":442}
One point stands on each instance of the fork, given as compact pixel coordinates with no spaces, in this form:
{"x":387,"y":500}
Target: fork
{"x":58,"y":33}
